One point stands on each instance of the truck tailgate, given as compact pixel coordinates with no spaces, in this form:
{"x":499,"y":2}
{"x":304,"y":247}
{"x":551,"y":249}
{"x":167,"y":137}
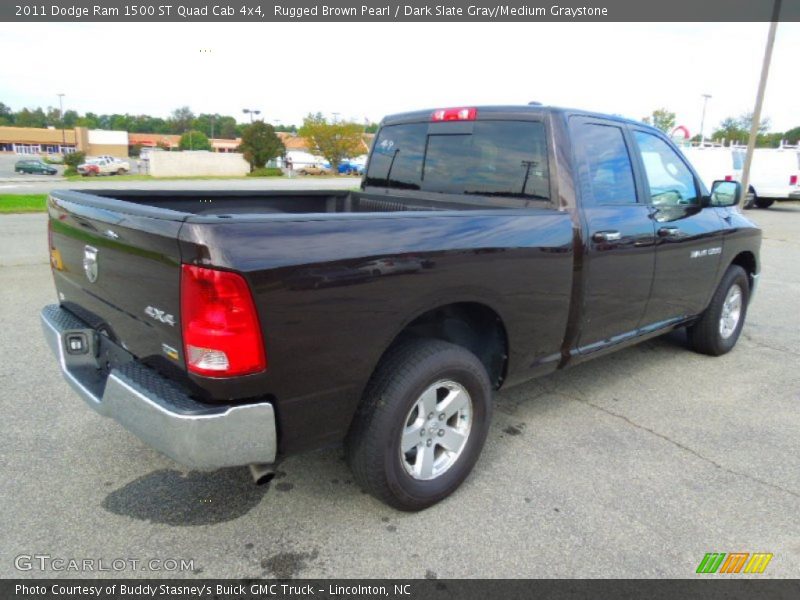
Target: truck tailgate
{"x":120,"y":273}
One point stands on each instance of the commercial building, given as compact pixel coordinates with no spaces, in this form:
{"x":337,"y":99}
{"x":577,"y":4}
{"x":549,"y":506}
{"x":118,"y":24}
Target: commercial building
{"x":96,"y":142}
{"x":36,"y":141}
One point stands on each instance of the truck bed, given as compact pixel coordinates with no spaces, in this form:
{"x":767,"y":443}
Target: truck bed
{"x":228,"y":203}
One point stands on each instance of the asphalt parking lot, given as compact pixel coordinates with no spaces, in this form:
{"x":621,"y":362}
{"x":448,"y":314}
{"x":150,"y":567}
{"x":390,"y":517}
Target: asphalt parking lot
{"x":8,"y":175}
{"x":632,"y":465}
{"x":25,"y":183}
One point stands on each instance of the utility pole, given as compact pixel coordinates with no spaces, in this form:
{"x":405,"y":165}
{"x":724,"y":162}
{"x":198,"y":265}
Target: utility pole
{"x":61,"y":114}
{"x":703,"y":120}
{"x":762,"y":86}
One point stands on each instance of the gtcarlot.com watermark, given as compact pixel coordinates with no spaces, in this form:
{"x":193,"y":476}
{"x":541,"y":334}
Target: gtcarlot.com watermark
{"x":58,"y":564}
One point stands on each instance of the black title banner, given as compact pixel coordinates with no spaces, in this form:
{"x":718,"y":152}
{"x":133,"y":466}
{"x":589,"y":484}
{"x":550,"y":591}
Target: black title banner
{"x":408,"y":589}
{"x":388,"y":11}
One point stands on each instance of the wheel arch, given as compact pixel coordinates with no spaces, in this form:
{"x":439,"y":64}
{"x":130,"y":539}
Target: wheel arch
{"x":747,"y":261}
{"x":473,"y":325}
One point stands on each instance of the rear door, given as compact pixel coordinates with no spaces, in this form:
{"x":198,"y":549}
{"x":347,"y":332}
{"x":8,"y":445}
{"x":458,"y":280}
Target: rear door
{"x":689,"y":237}
{"x":619,"y":233}
{"x":119,"y":272}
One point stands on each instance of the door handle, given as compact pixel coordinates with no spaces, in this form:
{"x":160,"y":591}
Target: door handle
{"x":667,"y":232}
{"x":606,"y":236}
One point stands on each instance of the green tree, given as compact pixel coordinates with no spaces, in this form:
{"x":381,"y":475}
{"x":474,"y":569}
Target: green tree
{"x":6,"y":115}
{"x":371,"y":128}
{"x":260,"y":144}
{"x":74,"y":159}
{"x":737,"y":129}
{"x":70,"y":118}
{"x":792,"y":136}
{"x":30,"y":118}
{"x":746,"y":122}
{"x":662,"y":119}
{"x":194,"y":140}
{"x":226,"y":128}
{"x":181,"y":119}
{"x":730,"y":129}
{"x":335,"y":141}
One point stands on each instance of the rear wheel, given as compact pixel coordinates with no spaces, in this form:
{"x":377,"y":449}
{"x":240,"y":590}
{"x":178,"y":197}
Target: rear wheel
{"x":764,"y":202}
{"x":421,"y":425}
{"x":121,"y":171}
{"x":719,"y":327}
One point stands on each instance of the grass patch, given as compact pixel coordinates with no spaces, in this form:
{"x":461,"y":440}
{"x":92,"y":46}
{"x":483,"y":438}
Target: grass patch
{"x":266,"y":172}
{"x":22,"y":203}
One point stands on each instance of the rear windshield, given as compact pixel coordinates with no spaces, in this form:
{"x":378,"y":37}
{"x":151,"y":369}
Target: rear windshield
{"x":497,"y":158}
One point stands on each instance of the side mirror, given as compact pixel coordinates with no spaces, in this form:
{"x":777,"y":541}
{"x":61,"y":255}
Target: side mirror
{"x":725,"y":193}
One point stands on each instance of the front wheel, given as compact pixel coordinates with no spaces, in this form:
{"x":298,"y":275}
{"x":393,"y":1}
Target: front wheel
{"x":421,"y":425}
{"x":751,"y":199}
{"x":718,"y":329}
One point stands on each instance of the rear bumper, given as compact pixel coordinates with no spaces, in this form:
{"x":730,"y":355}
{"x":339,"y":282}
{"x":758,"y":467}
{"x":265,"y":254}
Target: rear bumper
{"x":154,"y":408}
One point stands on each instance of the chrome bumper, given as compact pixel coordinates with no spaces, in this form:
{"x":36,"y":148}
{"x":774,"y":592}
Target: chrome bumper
{"x":155,"y":409}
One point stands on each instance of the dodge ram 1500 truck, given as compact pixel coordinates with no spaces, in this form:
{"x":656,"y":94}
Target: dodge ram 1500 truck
{"x":486,"y":246}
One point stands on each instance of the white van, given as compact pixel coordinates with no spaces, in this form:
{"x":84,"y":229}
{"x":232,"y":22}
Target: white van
{"x":773,"y":174}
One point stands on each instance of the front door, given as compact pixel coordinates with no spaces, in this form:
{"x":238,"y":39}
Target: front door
{"x":689,"y":237}
{"x":619,"y":261}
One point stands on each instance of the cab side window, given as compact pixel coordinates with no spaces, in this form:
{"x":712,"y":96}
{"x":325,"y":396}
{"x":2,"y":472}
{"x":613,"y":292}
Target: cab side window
{"x":670,"y":181}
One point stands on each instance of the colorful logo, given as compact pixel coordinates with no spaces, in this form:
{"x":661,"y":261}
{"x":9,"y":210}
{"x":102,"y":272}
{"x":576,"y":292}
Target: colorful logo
{"x":734,"y":562}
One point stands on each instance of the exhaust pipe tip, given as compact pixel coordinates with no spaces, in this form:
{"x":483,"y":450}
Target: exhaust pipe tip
{"x":262,"y":473}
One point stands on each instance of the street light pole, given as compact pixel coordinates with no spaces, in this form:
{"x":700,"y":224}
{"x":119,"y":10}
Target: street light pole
{"x":703,"y":120}
{"x":762,"y":86}
{"x":212,"y":133}
{"x":61,"y":114}
{"x":251,"y":112}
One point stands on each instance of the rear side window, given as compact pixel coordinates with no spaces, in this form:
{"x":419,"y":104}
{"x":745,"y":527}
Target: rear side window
{"x":497,"y":158}
{"x":606,"y":173}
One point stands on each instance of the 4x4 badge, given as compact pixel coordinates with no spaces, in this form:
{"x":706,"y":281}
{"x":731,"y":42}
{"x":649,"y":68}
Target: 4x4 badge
{"x":90,"y":263}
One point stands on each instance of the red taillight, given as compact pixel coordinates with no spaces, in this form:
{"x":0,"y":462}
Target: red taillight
{"x":793,"y":180}
{"x":221,"y":333}
{"x":728,"y":177}
{"x":455,"y":114}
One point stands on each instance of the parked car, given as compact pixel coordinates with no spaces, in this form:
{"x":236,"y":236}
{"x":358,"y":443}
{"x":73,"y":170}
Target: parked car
{"x":486,"y":246}
{"x":317,"y":169}
{"x":34,"y":166}
{"x":349,"y":168}
{"x":105,"y":165}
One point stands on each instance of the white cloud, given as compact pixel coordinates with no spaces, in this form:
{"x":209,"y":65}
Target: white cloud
{"x":367,"y":70}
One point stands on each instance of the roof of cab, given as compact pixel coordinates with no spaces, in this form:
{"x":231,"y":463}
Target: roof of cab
{"x":519,"y":111}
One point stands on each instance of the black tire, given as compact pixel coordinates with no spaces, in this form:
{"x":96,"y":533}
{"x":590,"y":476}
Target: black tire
{"x":750,"y":199}
{"x":373,"y":443}
{"x":764,"y":202}
{"x":705,"y":335}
